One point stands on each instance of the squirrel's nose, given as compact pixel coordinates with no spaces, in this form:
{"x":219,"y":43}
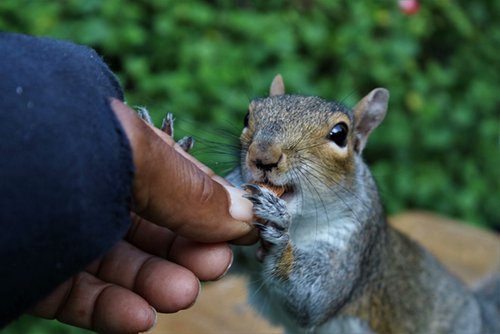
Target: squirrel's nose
{"x":265,"y":156}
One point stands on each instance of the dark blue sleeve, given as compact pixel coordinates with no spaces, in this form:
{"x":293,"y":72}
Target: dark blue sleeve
{"x":65,"y":166}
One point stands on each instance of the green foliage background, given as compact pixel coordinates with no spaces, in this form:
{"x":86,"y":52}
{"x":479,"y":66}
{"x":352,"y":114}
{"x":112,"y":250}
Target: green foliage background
{"x":439,"y":147}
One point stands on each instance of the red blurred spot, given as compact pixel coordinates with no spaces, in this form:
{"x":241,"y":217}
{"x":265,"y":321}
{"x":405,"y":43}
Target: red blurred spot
{"x":409,"y":7}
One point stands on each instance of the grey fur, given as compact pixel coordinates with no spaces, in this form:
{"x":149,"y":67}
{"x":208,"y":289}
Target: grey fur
{"x":351,"y":272}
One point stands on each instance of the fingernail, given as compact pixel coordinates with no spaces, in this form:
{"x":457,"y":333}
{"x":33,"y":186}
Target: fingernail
{"x":228,"y":267}
{"x":240,"y":208}
{"x":155,"y":314}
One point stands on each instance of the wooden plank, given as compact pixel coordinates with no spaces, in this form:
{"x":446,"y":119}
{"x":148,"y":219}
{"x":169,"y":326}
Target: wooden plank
{"x":469,"y":252}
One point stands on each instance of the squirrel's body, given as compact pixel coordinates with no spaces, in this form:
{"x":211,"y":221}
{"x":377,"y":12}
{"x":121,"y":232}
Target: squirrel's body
{"x":330,"y":262}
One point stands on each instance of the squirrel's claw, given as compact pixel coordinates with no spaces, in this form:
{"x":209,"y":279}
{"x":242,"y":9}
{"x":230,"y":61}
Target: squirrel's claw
{"x":260,"y":226}
{"x":186,"y":143}
{"x":255,"y":192}
{"x":167,"y":125}
{"x":144,"y":115}
{"x":253,"y":188}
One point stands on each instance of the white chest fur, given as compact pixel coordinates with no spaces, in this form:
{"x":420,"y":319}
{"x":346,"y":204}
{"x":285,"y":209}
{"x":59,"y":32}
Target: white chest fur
{"x":315,"y":220}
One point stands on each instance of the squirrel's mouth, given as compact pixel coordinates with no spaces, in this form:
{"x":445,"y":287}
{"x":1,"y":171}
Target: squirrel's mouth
{"x":282,"y":191}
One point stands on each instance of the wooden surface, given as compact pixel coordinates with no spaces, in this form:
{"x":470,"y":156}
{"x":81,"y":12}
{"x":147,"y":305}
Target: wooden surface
{"x":468,"y":252}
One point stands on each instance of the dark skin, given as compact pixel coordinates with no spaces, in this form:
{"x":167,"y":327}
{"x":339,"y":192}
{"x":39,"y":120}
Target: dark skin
{"x":169,"y":247}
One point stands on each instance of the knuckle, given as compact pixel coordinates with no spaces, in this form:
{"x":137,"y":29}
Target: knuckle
{"x":204,"y":191}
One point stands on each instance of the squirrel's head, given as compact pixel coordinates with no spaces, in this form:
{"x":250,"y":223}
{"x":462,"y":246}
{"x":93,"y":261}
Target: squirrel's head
{"x":304,"y":141}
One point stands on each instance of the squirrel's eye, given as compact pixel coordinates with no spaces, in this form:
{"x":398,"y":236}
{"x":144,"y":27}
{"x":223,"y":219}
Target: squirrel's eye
{"x":245,"y":121}
{"x":338,"y":134}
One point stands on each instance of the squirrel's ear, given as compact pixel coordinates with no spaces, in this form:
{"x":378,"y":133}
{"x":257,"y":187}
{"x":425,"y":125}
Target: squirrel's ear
{"x":368,"y":113}
{"x":277,"y":86}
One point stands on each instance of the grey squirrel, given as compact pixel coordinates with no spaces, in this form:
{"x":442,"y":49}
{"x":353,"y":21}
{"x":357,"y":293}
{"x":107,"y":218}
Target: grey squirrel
{"x":329,"y":262}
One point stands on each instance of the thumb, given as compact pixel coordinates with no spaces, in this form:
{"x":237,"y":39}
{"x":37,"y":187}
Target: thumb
{"x":173,"y":190}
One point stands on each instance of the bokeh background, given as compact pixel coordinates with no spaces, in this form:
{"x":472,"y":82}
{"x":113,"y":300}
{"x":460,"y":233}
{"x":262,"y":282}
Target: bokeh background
{"x":437,"y":150}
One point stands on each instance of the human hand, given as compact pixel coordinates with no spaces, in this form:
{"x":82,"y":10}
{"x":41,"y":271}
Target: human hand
{"x":177,"y":209}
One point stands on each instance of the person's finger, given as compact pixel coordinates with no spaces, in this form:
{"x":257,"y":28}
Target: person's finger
{"x":88,"y":302}
{"x":170,"y":190}
{"x":206,"y":261}
{"x":248,"y":239}
{"x":149,"y":237}
{"x":167,"y":286}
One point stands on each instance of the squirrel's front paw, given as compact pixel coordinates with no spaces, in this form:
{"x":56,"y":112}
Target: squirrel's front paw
{"x":272,"y":210}
{"x":167,"y":126}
